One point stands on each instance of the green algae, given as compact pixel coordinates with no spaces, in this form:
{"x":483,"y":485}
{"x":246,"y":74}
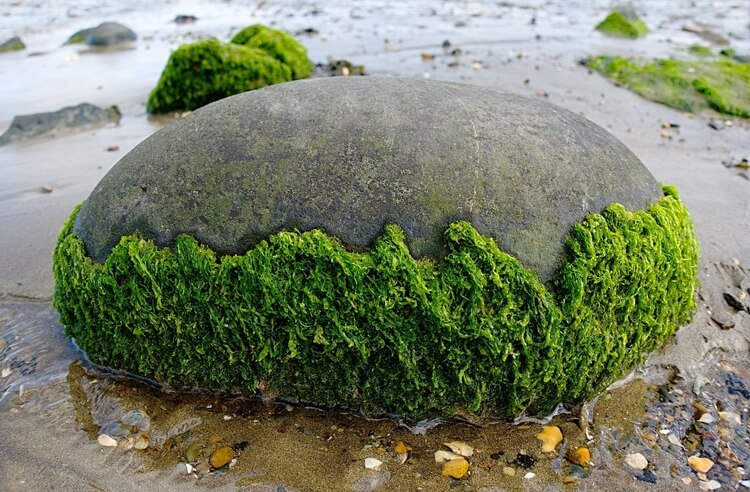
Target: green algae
{"x":619,"y":24}
{"x":278,"y":44}
{"x":700,"y":50}
{"x":206,"y":71}
{"x":13,"y":44}
{"x":693,"y":86}
{"x":300,"y":316}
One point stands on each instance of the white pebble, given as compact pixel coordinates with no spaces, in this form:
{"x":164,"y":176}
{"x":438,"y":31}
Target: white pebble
{"x":707,"y":418}
{"x":713,"y":485}
{"x":529,"y":475}
{"x":106,"y":441}
{"x":6,"y":372}
{"x":637,"y":461}
{"x":373,"y":464}
{"x":745,"y":483}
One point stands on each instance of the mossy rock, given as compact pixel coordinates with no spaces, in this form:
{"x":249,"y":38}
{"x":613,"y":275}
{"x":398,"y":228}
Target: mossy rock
{"x":12,"y":44}
{"x":464,"y":250}
{"x":105,"y":34}
{"x":205,"y":71}
{"x":278,"y":44}
{"x":619,"y":24}
{"x":694,"y":86}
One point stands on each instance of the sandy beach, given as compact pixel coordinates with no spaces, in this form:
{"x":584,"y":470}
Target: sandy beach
{"x":52,"y":404}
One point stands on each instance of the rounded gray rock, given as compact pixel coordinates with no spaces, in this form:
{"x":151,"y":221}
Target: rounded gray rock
{"x":350,"y":155}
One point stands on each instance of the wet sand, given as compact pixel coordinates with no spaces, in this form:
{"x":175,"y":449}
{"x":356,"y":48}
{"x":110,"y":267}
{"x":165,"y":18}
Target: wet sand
{"x":51,"y":407}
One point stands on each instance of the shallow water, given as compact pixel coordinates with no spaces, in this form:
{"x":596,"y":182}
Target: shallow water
{"x":54,"y":404}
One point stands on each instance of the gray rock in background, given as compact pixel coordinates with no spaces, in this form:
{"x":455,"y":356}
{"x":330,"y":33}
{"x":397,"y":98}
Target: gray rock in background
{"x":105,"y":34}
{"x":350,"y":155}
{"x":73,"y":117}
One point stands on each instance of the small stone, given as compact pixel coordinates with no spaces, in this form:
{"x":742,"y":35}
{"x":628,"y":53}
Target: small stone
{"x":529,"y":475}
{"x":193,"y":451}
{"x":141,"y":442}
{"x":6,"y":372}
{"x":106,"y":441}
{"x":707,"y":418}
{"x":510,"y":471}
{"x":455,"y":468}
{"x":745,"y":483}
{"x":579,"y":456}
{"x":138,"y":419}
{"x":550,"y":436}
{"x":47,"y":189}
{"x":730,"y":417}
{"x":427,"y":56}
{"x":401,"y":448}
{"x":113,"y":148}
{"x":701,"y":465}
{"x":647,"y":476}
{"x":460,"y":448}
{"x":221,"y":457}
{"x":687,"y":480}
{"x":187,"y":468}
{"x":202,"y":468}
{"x":373,"y":464}
{"x":636,"y":461}
{"x":568,"y":480}
{"x":578,"y":472}
{"x":713,"y":485}
{"x":442,"y":456}
{"x":673,"y":439}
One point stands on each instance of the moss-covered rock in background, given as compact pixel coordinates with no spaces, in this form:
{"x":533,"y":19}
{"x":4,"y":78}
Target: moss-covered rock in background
{"x":278,"y":44}
{"x":202,"y":72}
{"x":180,"y":265}
{"x":12,"y":44}
{"x":619,"y":24}
{"x":205,"y":71}
{"x":691,"y":86}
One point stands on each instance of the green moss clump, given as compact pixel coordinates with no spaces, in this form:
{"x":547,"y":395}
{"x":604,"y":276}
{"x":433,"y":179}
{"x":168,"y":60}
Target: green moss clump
{"x":618,"y":24}
{"x":13,"y":44}
{"x":206,"y":71}
{"x":693,"y":86}
{"x":278,"y":44}
{"x":700,"y":50}
{"x":300,"y":316}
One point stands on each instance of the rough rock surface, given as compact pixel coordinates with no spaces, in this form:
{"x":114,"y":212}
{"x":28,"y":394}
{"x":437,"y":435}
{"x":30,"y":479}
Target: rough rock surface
{"x":12,"y":44}
{"x":350,"y":155}
{"x":33,"y":125}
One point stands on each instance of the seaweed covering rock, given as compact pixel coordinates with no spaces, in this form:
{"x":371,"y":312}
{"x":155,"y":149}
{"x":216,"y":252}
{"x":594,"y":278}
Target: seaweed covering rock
{"x":720,"y":84}
{"x":206,"y":71}
{"x":445,"y":280}
{"x":622,"y":24}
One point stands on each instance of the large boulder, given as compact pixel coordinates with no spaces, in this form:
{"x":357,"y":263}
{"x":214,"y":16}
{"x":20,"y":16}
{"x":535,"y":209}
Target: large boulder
{"x":462,"y":250}
{"x":350,"y":156}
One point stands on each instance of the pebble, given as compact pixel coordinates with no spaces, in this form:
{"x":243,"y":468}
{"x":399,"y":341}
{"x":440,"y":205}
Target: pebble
{"x":707,"y":418}
{"x":579,"y":456}
{"x":529,"y":475}
{"x":460,"y":448}
{"x":370,"y":482}
{"x":701,"y":465}
{"x":6,"y":372}
{"x":192,"y":452}
{"x":141,"y":442}
{"x":647,"y":476}
{"x":730,"y":417}
{"x":578,"y":472}
{"x":550,"y":436}
{"x":221,"y":457}
{"x":455,"y":468}
{"x":47,"y":189}
{"x":510,"y":471}
{"x":138,"y":419}
{"x":106,"y":441}
{"x":636,"y":461}
{"x":745,"y":483}
{"x":713,"y":485}
{"x":373,"y":464}
{"x":442,"y":456}
{"x":568,"y":480}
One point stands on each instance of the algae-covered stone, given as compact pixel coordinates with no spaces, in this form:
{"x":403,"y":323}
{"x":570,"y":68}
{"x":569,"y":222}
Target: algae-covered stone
{"x":12,"y":44}
{"x":693,"y":86}
{"x":206,"y":71}
{"x":622,"y":24}
{"x":278,"y":44}
{"x":464,"y":250}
